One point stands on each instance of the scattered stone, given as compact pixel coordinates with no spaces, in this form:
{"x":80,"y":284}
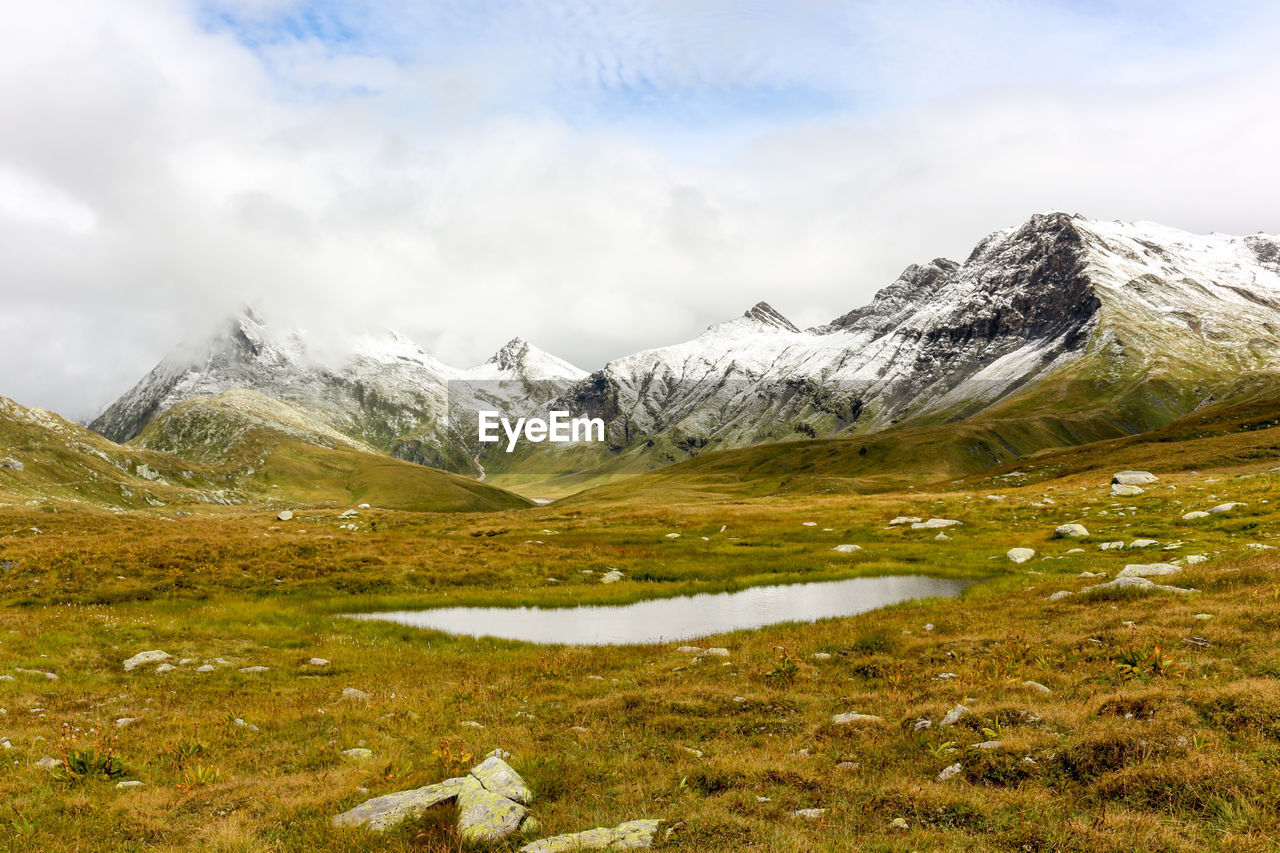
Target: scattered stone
{"x":821,"y":656}
{"x":689,"y":650}
{"x":854,"y":717}
{"x":1143,"y":543}
{"x":285,"y":515}
{"x":1070,"y":531}
{"x":354,"y":695}
{"x":48,"y":763}
{"x":124,"y":721}
{"x":153,"y":656}
{"x":942,"y":537}
{"x":40,"y":672}
{"x":1076,"y":551}
{"x":846,"y":549}
{"x":1195,"y":515}
{"x":1133,"y":478}
{"x":12,"y":464}
{"x":499,"y":777}
{"x":809,"y":524}
{"x":1226,"y":507}
{"x":1202,"y":616}
{"x":955,"y":715}
{"x":1061,"y":594}
{"x":165,"y":667}
{"x":254,"y":668}
{"x":716,"y":652}
{"x":935,"y":523}
{"x":988,"y":744}
{"x":899,"y":823}
{"x":673,"y":536}
{"x":950,"y":772}
{"x":382,"y":813}
{"x":208,"y":667}
{"x":611,"y":576}
{"x":809,"y":814}
{"x":1122,"y":491}
{"x":244,"y":725}
{"x":905,"y":519}
{"x":129,"y":783}
{"x":1110,"y":546}
{"x":922,"y":724}
{"x":632,"y":835}
{"x":1148,"y":570}
{"x":350,"y":513}
{"x":1020,"y":555}
{"x":471,"y":724}
{"x":317,"y":662}
{"x":358,"y":753}
{"x":1037,"y":687}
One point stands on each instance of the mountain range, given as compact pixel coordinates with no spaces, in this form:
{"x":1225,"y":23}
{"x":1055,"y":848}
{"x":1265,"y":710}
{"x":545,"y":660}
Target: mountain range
{"x":1056,"y":332}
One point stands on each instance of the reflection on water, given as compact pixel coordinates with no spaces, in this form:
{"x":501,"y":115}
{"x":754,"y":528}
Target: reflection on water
{"x":670,"y":619}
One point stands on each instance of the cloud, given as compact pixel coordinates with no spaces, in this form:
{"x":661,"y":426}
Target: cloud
{"x":595,"y":177}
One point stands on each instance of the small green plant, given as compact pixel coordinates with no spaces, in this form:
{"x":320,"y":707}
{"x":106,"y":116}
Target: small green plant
{"x":80,"y":765}
{"x":197,"y":775}
{"x":787,"y":667}
{"x":942,"y":750}
{"x":1144,"y":664}
{"x":181,"y":753}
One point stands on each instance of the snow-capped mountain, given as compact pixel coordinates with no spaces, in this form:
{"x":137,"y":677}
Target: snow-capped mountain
{"x":950,"y":338}
{"x":385,"y":390}
{"x":1118,"y":308}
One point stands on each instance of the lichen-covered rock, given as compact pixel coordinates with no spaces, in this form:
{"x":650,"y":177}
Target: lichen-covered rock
{"x":1148,"y":570}
{"x":384,"y":812}
{"x":1020,"y":555}
{"x":1121,"y":490}
{"x":497,"y":776}
{"x":485,"y":817}
{"x":853,"y":718}
{"x":1070,"y":531}
{"x":1137,"y":583}
{"x":632,"y":835}
{"x":153,"y":656}
{"x":955,"y":715}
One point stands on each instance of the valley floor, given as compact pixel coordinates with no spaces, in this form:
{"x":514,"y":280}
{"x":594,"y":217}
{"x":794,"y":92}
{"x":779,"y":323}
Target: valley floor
{"x":1158,"y":727}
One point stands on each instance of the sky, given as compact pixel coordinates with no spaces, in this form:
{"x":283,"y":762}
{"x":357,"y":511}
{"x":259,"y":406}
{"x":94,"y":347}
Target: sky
{"x":595,"y":177}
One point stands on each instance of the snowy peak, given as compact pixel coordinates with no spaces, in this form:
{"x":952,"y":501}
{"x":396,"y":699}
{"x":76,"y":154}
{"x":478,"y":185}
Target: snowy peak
{"x":769,"y":317}
{"x":519,"y":359}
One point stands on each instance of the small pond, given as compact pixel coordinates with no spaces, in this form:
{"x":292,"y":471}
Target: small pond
{"x":665,"y":620}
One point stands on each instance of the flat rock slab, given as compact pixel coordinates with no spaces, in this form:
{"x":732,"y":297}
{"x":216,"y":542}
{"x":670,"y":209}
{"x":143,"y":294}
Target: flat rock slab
{"x":485,"y":817}
{"x":1148,"y":570}
{"x":1133,"y":478}
{"x":856,"y":718}
{"x":935,"y":523}
{"x":382,"y":813}
{"x":632,"y":835}
{"x":1137,"y":583}
{"x":153,"y":656}
{"x":1122,"y":490}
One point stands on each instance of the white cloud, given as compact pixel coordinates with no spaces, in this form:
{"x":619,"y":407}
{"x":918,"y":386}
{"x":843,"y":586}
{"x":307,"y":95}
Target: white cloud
{"x":155,"y":175}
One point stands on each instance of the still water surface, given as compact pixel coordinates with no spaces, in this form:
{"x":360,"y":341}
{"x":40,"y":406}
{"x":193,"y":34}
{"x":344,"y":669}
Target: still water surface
{"x":683,"y":618}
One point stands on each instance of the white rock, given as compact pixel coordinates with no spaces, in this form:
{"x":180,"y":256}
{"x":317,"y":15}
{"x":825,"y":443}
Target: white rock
{"x":1148,"y":570}
{"x":1061,"y":594}
{"x":1193,"y":516}
{"x":358,"y":753}
{"x":716,"y":652}
{"x":854,"y":717}
{"x":1133,"y":478}
{"x":942,"y":537}
{"x":673,"y":536}
{"x":1020,"y":555}
{"x":950,"y":772}
{"x":165,"y":667}
{"x":1037,"y":687}
{"x":254,"y":668}
{"x":935,"y":523}
{"x":1226,"y":507}
{"x":1137,"y":583}
{"x":208,"y":667}
{"x":1070,"y":531}
{"x":1122,"y":491}
{"x":689,"y":650}
{"x":905,"y":519}
{"x":354,"y":695}
{"x":846,"y":549}
{"x":809,"y":814}
{"x":1143,"y":543}
{"x":153,"y":656}
{"x":129,"y":783}
{"x":1110,"y":546}
{"x":317,"y":662}
{"x":611,"y":576}
{"x":285,"y":515}
{"x":808,"y":524}
{"x":1195,"y":559}
{"x":955,"y":715}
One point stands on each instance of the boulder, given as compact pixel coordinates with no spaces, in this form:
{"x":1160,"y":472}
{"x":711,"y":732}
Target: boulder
{"x":1122,"y":491}
{"x":1136,"y":583}
{"x":1020,"y":555}
{"x":1060,"y":594}
{"x":632,"y":835}
{"x":950,"y":772}
{"x":499,"y":777}
{"x":153,"y":656}
{"x":353,"y":695}
{"x":285,"y":515}
{"x":846,"y":549}
{"x":1133,"y":478}
{"x":1226,"y":507}
{"x":1195,"y":515}
{"x":611,"y":576}
{"x":1070,"y":531}
{"x":1143,"y":543}
{"x":905,"y":519}
{"x":484,"y":816}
